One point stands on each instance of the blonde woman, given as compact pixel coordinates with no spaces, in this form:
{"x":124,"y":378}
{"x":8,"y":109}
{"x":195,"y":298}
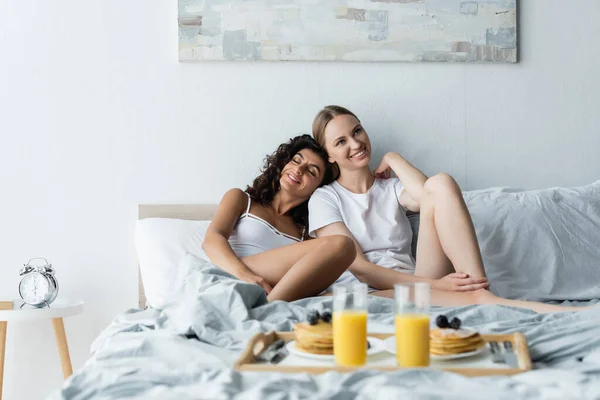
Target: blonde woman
{"x":370,"y":208}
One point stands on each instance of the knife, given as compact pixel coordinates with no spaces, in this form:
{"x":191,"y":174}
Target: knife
{"x":509,"y":355}
{"x":274,"y":354}
{"x":281,"y":354}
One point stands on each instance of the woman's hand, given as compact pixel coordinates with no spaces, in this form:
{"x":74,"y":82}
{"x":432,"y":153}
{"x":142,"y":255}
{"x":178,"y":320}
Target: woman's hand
{"x":412,"y":179}
{"x":384,"y":171}
{"x":460,"y":282}
{"x":257,"y":280}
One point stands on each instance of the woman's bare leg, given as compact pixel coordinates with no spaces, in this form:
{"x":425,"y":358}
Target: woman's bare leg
{"x":303,"y":269}
{"x":446,"y":299}
{"x":447,"y":240}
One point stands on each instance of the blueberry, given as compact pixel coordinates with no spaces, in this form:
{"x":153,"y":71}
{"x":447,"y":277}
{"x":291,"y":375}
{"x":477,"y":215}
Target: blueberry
{"x":313,"y":317}
{"x":455,"y":323}
{"x":326,"y":316}
{"x":442,"y":321}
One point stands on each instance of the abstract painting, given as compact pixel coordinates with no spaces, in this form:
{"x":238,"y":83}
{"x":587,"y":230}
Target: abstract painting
{"x":349,"y":30}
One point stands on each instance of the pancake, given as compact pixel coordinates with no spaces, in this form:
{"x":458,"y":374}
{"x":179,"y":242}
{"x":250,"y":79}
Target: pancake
{"x":448,"y":334}
{"x":450,"y":341}
{"x":314,"y":350}
{"x":316,"y":339}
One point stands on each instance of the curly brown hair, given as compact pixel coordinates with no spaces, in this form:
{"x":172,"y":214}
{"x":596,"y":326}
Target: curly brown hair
{"x":266,"y":185}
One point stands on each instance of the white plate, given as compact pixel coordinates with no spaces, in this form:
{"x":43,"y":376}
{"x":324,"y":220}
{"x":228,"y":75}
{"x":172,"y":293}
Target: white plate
{"x":376,"y":347}
{"x":390,"y":345}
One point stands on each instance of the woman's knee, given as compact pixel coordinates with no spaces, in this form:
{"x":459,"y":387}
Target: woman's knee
{"x":441,"y":183}
{"x":341,"y":246}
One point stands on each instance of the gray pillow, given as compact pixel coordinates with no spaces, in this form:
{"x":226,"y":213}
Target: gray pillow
{"x":415,"y":220}
{"x":541,"y":244}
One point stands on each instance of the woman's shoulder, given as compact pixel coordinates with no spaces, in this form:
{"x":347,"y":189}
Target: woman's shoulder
{"x":236,"y":194}
{"x":389,"y":183}
{"x":328,"y":190}
{"x":324,"y":193}
{"x":235,"y":199}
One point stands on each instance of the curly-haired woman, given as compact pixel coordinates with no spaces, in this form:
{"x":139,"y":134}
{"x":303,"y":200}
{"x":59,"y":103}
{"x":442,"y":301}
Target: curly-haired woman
{"x":259,"y":235}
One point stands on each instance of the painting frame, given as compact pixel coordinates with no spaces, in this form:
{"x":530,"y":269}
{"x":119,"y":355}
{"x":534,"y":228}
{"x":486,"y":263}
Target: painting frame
{"x":470,"y":31}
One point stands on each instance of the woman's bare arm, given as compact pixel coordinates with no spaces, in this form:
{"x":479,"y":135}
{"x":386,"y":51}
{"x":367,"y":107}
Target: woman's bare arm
{"x":412,"y":179}
{"x":383,"y":278}
{"x":372,"y":274}
{"x":216,"y":242}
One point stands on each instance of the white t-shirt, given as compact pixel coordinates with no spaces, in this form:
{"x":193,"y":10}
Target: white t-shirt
{"x":376,"y":220}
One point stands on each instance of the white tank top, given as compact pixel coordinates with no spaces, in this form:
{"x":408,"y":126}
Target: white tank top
{"x":252,"y":235}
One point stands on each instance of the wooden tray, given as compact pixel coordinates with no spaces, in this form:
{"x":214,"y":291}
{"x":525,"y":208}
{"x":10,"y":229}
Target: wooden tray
{"x":480,"y":365}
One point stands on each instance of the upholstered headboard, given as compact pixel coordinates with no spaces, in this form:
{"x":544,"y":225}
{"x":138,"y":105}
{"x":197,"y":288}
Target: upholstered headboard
{"x":194,"y":212}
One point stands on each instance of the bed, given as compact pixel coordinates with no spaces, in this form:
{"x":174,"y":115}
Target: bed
{"x":186,"y":348}
{"x":186,"y":212}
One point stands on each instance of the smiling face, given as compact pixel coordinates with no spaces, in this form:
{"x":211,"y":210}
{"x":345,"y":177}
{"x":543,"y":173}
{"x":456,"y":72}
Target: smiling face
{"x":303,"y":174}
{"x":347,"y":143}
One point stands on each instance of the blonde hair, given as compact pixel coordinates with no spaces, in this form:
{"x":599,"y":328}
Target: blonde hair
{"x":320,"y":123}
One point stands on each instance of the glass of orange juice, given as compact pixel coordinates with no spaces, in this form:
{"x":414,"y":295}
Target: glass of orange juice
{"x":412,"y":324}
{"x":350,"y":324}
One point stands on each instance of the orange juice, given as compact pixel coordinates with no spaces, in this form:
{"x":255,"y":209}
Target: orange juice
{"x":350,"y":338}
{"x":412,"y":340}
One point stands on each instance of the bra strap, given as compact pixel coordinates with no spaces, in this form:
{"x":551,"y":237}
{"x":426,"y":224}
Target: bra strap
{"x":249,"y":203}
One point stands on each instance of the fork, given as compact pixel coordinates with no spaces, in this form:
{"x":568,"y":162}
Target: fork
{"x":497,"y":357}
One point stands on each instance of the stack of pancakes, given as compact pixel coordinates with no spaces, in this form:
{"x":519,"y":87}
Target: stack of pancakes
{"x":445,"y":341}
{"x":315,"y":339}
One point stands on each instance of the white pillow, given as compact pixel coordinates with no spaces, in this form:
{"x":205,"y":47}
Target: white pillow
{"x":160,"y":245}
{"x":540,"y":244}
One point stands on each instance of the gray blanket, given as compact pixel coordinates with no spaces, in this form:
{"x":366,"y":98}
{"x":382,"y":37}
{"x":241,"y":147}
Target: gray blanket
{"x":186,"y":351}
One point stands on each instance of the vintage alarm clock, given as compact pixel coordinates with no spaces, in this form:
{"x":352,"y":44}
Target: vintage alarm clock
{"x":38,"y":286}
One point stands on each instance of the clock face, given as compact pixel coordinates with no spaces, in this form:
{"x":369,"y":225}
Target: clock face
{"x":34,"y":287}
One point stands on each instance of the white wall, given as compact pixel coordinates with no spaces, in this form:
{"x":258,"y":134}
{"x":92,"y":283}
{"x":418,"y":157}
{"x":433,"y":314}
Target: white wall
{"x":97,"y":116}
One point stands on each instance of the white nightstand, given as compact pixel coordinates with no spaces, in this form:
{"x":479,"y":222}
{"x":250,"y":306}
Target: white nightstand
{"x":57,"y":311}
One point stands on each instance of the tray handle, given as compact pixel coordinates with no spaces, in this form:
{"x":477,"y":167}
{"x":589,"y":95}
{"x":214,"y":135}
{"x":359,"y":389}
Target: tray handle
{"x":257,"y":344}
{"x":522,"y":351}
